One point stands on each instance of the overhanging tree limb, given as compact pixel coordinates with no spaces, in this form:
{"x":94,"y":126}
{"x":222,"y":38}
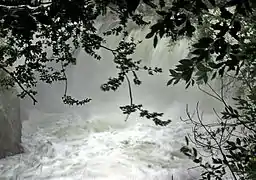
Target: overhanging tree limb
{"x":20,"y":85}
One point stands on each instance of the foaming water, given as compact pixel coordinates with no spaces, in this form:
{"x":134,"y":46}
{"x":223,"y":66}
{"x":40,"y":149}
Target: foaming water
{"x":67,"y":147}
{"x":93,"y":141}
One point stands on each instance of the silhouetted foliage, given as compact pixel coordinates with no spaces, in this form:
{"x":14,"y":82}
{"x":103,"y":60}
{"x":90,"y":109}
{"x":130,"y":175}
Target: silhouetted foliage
{"x":227,"y":48}
{"x":29,"y":29}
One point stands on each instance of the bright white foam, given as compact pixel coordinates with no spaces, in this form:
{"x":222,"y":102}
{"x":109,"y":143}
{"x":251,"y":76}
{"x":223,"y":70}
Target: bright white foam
{"x":69,"y":147}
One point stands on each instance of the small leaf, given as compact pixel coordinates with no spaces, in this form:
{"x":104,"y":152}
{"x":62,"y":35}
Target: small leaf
{"x":225,"y":13}
{"x":217,"y":26}
{"x":208,"y":177}
{"x":177,"y":80}
{"x":189,"y":28}
{"x":214,"y":75}
{"x":206,"y":40}
{"x":216,"y":161}
{"x":205,"y":78}
{"x":220,"y":57}
{"x":195,"y":152}
{"x":161,"y":32}
{"x":155,"y":41}
{"x":156,"y":27}
{"x":200,"y":4}
{"x":200,"y":45}
{"x":212,"y":2}
{"x":187,"y":142}
{"x":238,"y":141}
{"x":221,"y":71}
{"x":231,"y":143}
{"x":170,"y":81}
{"x":150,"y":35}
{"x":197,"y":51}
{"x":186,"y":62}
{"x":196,"y":160}
{"x":237,"y":25}
{"x":214,"y":65}
{"x":188,"y":84}
{"x":193,"y":82}
{"x":173,"y":72}
{"x":202,"y":67}
{"x":181,"y":68}
{"x":162,"y":13}
{"x":185,"y":149}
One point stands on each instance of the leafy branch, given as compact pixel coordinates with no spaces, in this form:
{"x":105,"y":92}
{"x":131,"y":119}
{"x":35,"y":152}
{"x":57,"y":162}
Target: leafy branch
{"x":25,"y":92}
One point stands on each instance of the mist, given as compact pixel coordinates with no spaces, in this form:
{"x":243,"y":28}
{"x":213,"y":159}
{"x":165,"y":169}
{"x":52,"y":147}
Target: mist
{"x":93,"y":141}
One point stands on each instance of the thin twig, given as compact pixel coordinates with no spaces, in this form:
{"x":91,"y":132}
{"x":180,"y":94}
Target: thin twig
{"x":130,"y":94}
{"x":208,"y":93}
{"x":66,"y":80}
{"x":219,"y":147}
{"x":109,"y":49}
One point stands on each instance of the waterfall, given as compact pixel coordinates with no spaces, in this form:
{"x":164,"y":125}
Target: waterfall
{"x":93,"y":141}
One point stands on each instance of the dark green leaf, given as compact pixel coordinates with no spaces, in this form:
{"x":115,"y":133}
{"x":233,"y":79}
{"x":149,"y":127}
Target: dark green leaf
{"x":185,"y":149}
{"x":212,"y":2}
{"x":170,"y":81}
{"x":206,"y":40}
{"x":173,"y":72}
{"x":202,"y":67}
{"x":238,"y":141}
{"x":214,"y":65}
{"x":201,"y":44}
{"x":200,"y":4}
{"x":156,"y":27}
{"x":150,"y":35}
{"x":237,"y":26}
{"x":216,"y":161}
{"x":162,"y":13}
{"x":196,"y":161}
{"x":176,"y":81}
{"x":187,"y":142}
{"x":155,"y":41}
{"x":186,"y":62}
{"x":187,"y":74}
{"x":189,"y":28}
{"x":220,"y":57}
{"x":225,"y":13}
{"x":231,"y":143}
{"x":217,"y":26}
{"x":193,"y":82}
{"x":205,"y":78}
{"x":181,"y":68}
{"x":161,"y":32}
{"x":188,"y":84}
{"x":194,"y":152}
{"x":214,"y":75}
{"x":197,"y":51}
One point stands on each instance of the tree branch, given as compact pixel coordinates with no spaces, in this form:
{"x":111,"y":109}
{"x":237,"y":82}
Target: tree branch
{"x":20,"y":85}
{"x":130,"y":94}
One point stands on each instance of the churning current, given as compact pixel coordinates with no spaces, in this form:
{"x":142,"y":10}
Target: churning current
{"x":94,"y":141}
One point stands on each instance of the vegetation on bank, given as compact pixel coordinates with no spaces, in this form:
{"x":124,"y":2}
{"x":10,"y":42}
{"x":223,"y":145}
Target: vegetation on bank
{"x":223,"y":46}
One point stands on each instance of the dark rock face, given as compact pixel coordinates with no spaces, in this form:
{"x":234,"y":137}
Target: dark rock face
{"x":10,"y":124}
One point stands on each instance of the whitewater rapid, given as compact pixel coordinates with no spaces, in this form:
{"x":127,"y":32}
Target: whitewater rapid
{"x":94,"y":142}
{"x":70,"y":148}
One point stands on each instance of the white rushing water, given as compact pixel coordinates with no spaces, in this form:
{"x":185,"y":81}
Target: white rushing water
{"x":94,"y":142}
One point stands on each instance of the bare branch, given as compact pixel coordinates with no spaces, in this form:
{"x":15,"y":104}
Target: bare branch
{"x":130,"y":94}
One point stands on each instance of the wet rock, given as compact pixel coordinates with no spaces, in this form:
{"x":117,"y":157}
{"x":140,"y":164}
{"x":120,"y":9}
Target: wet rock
{"x":10,"y":123}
